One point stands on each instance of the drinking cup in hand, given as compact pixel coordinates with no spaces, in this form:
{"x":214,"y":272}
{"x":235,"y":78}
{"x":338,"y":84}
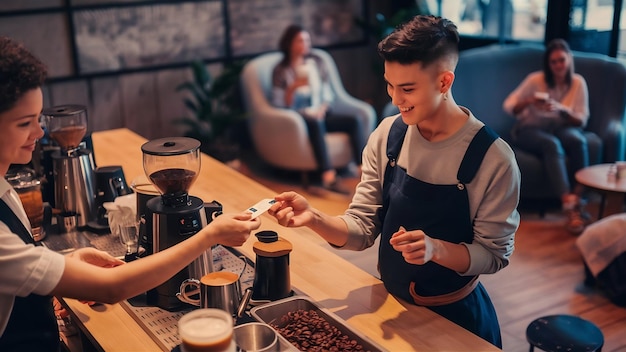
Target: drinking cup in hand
{"x":542,"y":97}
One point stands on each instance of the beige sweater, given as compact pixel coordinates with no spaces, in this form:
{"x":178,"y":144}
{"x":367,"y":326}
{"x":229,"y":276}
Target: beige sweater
{"x":576,"y":99}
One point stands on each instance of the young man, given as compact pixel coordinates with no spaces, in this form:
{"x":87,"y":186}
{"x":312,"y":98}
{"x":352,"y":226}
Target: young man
{"x":439,"y":187}
{"x":30,"y":273}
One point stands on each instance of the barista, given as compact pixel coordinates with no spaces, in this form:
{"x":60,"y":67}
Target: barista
{"x":438,"y":187}
{"x":31,"y":274}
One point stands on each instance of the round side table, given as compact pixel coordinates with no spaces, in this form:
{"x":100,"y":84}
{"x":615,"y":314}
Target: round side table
{"x":611,"y":189}
{"x":559,"y":333}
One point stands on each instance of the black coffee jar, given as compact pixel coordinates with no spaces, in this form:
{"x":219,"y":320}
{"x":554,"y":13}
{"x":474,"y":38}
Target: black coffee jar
{"x":272,"y":279}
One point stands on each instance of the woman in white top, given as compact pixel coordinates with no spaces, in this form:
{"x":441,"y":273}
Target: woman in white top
{"x":551,"y":107}
{"x":31,"y":273}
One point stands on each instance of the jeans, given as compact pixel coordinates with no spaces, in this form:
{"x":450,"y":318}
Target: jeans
{"x":334,"y":123}
{"x":553,"y":145}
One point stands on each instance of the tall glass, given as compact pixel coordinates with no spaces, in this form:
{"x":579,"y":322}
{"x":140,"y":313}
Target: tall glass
{"x":129,"y":235}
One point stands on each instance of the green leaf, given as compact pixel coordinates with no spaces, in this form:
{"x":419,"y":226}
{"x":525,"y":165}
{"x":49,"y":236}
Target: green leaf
{"x":214,"y":101}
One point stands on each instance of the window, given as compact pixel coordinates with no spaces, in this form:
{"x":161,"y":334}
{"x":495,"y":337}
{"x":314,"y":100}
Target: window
{"x":501,"y":19}
{"x":590,"y":25}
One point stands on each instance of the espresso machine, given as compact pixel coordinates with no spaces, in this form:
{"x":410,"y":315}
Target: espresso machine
{"x":172,"y":165}
{"x":73,"y":164}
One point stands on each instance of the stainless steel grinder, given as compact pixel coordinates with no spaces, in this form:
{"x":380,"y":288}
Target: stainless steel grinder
{"x":73,"y":164}
{"x":172,"y":165}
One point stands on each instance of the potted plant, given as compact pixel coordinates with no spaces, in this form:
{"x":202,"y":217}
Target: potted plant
{"x":215,"y":110}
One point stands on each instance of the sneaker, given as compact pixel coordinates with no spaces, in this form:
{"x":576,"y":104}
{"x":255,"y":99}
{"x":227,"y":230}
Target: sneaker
{"x":577,"y":217}
{"x":575,"y":221}
{"x":570,"y":202}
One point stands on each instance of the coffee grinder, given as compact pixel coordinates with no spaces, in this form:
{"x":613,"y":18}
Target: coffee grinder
{"x":172,"y":165}
{"x":73,"y":164}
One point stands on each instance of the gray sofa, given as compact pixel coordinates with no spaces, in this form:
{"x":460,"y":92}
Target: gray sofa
{"x":486,"y":75}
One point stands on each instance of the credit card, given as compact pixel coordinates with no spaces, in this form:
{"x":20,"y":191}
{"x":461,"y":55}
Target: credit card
{"x":261,"y":207}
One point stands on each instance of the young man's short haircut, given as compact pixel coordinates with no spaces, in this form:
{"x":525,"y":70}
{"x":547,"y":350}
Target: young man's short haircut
{"x":424,"y":39}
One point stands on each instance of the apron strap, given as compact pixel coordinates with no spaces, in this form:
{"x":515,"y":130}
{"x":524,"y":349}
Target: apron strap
{"x":395,"y":140}
{"x":394,"y":144}
{"x":475,"y":154}
{"x":15,"y":224}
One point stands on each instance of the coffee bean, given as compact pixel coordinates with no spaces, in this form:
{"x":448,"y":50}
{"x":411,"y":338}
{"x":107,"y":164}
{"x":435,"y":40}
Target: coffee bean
{"x":308,"y":331}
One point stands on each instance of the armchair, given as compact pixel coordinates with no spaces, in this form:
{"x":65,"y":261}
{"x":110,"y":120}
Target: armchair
{"x":280,"y":135}
{"x":485,"y":76}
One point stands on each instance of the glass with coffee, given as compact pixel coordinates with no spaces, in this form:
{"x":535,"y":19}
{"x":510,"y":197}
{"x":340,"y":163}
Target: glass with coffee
{"x":206,"y":330}
{"x":28,"y":187}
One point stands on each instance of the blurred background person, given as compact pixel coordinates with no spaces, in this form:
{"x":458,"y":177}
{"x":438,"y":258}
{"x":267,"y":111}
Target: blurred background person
{"x":300,"y":82}
{"x":551,"y":108}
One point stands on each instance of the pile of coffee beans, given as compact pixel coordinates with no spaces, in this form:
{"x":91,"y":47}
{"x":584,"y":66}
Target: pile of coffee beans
{"x":308,"y":331}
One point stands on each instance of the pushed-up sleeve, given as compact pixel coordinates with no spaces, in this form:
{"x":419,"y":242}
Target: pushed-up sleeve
{"x":26,"y":268}
{"x":580,"y":104}
{"x":524,"y":90}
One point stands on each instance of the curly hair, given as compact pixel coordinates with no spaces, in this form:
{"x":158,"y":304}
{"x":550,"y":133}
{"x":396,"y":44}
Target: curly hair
{"x":424,"y":39}
{"x":20,"y":71}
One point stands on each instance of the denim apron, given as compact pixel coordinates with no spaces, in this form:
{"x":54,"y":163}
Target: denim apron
{"x":32,"y":325}
{"x":442,"y":212}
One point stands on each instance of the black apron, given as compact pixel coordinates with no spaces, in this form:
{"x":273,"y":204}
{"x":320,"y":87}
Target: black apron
{"x":32,"y":325}
{"x":442,"y":212}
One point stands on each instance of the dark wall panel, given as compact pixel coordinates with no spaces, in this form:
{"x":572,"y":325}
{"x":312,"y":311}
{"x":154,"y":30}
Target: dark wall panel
{"x":46,"y":35}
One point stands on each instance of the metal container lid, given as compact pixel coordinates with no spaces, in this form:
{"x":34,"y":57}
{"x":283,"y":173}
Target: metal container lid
{"x":170,"y":146}
{"x":23,"y":180}
{"x":64,"y":110}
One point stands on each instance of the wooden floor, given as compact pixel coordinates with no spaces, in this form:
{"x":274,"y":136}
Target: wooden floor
{"x":545,"y":275}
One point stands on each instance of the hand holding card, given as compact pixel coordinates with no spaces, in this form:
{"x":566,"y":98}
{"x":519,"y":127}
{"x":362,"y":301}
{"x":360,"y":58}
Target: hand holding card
{"x":260,"y":207}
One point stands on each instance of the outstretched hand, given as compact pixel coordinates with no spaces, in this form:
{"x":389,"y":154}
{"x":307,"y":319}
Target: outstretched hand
{"x":233,"y":230}
{"x":291,"y":210}
{"x":95,"y":257}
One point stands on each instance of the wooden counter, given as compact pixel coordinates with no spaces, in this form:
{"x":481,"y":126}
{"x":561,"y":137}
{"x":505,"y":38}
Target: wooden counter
{"x":333,"y":282}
